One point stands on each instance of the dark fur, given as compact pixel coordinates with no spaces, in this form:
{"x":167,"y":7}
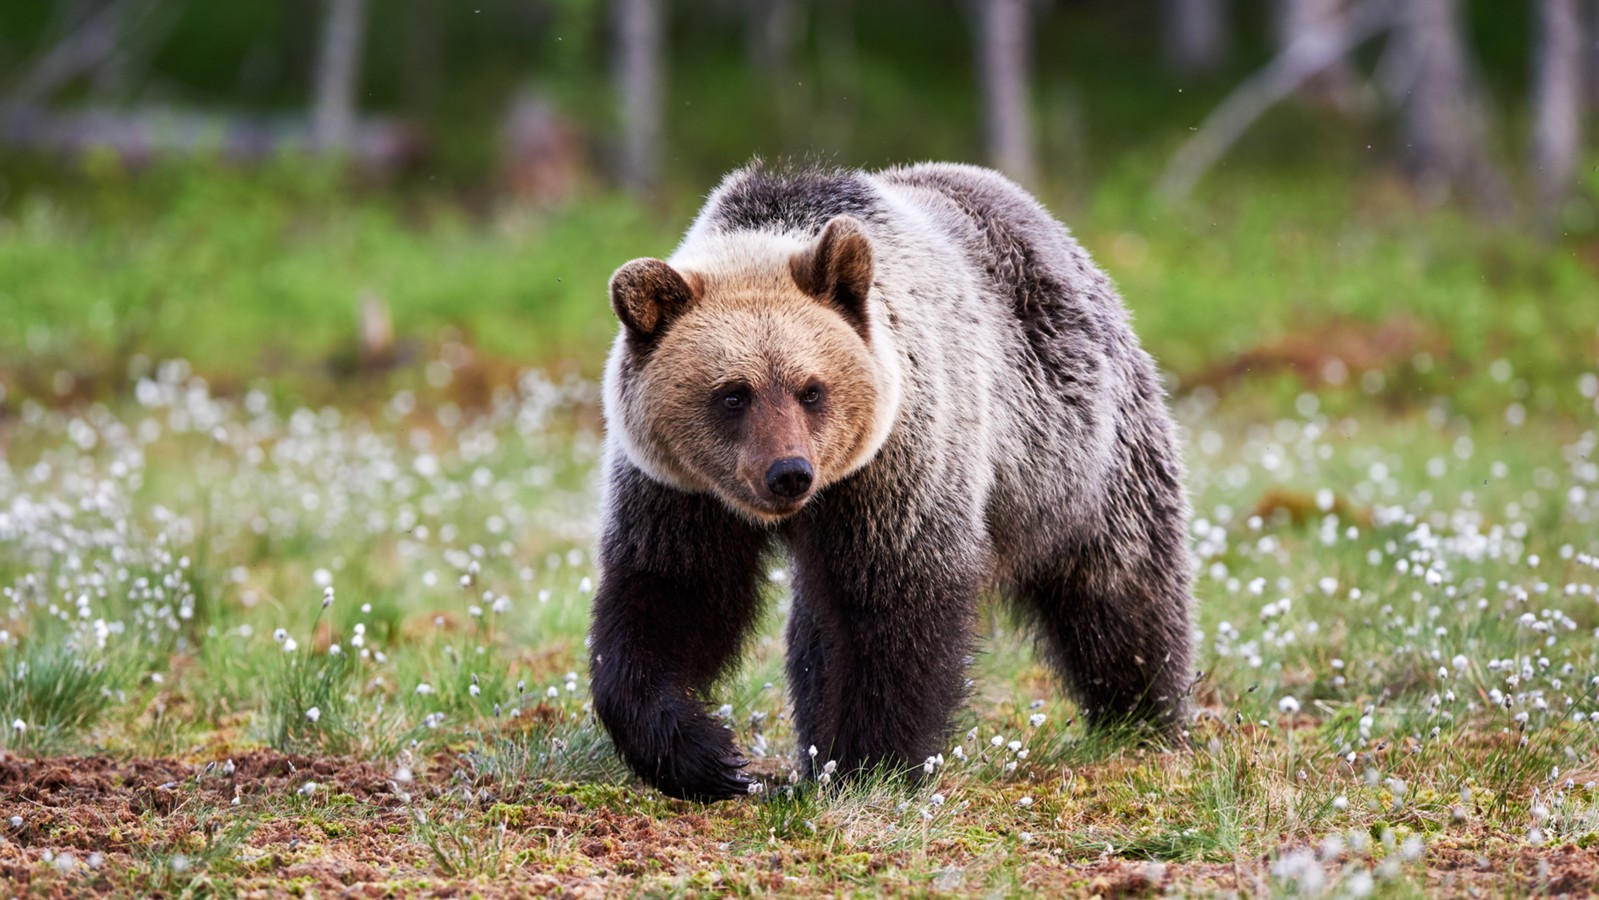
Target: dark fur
{"x":1032,"y":452}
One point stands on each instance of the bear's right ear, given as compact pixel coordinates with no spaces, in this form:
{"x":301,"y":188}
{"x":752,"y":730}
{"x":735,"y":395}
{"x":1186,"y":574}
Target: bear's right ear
{"x":647,"y":294}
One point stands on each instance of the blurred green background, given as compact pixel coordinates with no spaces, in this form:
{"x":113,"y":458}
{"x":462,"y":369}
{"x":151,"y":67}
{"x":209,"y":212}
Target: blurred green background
{"x":320,"y":205}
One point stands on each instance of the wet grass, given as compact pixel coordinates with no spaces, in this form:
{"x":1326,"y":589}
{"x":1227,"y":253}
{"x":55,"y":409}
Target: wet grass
{"x":376,"y":607}
{"x":1396,"y":620}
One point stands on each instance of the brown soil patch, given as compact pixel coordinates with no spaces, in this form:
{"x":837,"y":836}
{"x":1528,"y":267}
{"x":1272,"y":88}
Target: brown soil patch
{"x":359,"y":835}
{"x":1360,"y":346}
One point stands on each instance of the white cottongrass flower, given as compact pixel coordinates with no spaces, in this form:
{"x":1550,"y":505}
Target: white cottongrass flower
{"x":19,"y":726}
{"x":997,"y":740}
{"x":313,"y":714}
{"x":307,"y":789}
{"x":424,"y":688}
{"x":1288,"y":705}
{"x":1025,"y":802}
{"x":1036,"y":719}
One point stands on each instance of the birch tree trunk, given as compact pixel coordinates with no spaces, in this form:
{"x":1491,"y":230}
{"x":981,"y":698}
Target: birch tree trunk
{"x":337,"y":75}
{"x":1557,"y":105}
{"x":1195,"y":34}
{"x":639,"y":75}
{"x":772,"y":26}
{"x":1443,"y":123}
{"x":1002,"y":34}
{"x":1319,"y":21}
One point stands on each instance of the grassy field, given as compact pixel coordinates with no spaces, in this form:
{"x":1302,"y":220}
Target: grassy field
{"x":271,"y":627}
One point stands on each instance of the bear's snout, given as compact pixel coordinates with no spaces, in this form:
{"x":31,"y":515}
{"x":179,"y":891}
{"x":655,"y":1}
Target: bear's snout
{"x":790,"y":477}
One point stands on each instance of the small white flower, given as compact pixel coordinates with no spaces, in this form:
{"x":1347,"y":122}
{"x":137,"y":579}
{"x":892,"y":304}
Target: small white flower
{"x":1288,"y":705}
{"x":19,"y":726}
{"x":308,"y":789}
{"x":1036,"y":719}
{"x":1025,"y":802}
{"x":552,"y":693}
{"x":290,"y":645}
{"x":16,"y":821}
{"x":313,"y":714}
{"x":424,"y":688}
{"x":280,"y":634}
{"x":1013,"y":746}
{"x":1340,"y":802}
{"x":327,"y":596}
{"x":812,"y":751}
{"x":997,"y":740}
{"x":830,"y":767}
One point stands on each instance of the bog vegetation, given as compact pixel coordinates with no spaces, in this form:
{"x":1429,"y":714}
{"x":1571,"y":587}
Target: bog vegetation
{"x":297,"y":494}
{"x":309,"y":642}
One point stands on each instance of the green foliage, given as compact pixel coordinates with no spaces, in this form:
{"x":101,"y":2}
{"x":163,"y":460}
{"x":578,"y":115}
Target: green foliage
{"x":52,"y":696}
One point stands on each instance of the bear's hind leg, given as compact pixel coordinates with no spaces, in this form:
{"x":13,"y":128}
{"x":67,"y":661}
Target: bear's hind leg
{"x":1119,"y":639}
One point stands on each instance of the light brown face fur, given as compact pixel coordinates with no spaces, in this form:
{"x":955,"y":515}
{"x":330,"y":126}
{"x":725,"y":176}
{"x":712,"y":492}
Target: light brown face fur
{"x":730,"y":372}
{"x":747,"y":379}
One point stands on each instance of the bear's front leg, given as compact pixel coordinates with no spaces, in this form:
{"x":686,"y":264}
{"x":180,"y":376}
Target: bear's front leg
{"x":678,"y":595}
{"x":879,"y":637}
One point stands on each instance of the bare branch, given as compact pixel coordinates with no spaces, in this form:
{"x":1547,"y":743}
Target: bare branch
{"x":1302,"y":60}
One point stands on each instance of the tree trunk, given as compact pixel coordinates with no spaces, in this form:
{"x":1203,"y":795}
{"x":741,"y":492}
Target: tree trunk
{"x":639,"y":75}
{"x":1002,"y":74}
{"x":338,"y":74}
{"x":769,"y":42}
{"x":1319,"y":22}
{"x":1196,"y":36}
{"x":1557,"y":106}
{"x":1591,"y":40}
{"x":1443,"y":124}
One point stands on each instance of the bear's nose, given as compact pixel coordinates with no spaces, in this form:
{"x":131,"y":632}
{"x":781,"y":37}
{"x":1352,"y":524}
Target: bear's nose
{"x":789,"y":477}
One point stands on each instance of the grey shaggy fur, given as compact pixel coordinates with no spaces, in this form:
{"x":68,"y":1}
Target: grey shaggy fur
{"x":1031,"y":452}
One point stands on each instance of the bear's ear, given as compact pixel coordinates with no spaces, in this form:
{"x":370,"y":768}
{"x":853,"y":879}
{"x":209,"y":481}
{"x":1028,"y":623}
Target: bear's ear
{"x":837,"y":269}
{"x":647,"y":294}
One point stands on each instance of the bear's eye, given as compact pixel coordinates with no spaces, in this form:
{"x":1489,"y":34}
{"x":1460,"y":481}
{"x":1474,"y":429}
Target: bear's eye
{"x":811,"y":395}
{"x":734,"y":400}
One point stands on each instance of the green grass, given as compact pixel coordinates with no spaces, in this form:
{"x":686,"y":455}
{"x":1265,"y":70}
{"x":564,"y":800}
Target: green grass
{"x":259,"y":278}
{"x":1392,"y":682}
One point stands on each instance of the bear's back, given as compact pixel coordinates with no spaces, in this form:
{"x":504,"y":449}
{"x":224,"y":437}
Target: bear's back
{"x":798,"y":201}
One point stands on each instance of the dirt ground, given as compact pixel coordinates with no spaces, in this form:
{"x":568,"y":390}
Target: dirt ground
{"x":106,"y":826}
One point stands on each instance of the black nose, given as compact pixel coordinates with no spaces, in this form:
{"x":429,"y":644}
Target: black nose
{"x":789,"y":477}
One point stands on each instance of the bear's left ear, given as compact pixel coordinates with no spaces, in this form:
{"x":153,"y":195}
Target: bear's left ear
{"x":647,"y":294}
{"x":837,"y":269}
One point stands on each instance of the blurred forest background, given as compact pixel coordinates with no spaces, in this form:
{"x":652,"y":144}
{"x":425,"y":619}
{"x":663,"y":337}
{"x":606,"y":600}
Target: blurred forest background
{"x":1368,"y":198}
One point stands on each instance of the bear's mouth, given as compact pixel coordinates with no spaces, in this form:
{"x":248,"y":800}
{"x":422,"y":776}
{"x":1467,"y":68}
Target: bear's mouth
{"x":769,"y":509}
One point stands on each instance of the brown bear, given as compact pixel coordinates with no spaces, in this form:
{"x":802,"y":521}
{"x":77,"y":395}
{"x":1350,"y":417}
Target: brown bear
{"x":920,"y":387}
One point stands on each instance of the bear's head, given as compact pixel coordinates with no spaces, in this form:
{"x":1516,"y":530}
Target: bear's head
{"x":753,"y":367}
